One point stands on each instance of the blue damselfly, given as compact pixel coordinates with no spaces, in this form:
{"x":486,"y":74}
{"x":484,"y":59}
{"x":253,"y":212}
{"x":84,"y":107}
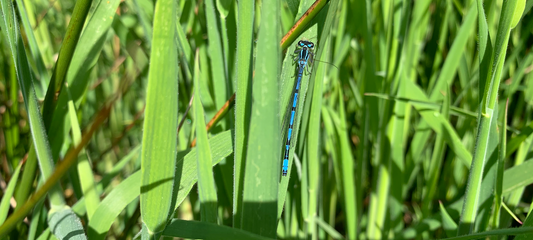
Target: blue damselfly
{"x":304,"y":57}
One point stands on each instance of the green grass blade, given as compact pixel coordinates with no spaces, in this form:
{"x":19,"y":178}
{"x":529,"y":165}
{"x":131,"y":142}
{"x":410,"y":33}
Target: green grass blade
{"x":329,"y":229}
{"x":216,"y":55}
{"x":25,"y":78}
{"x":517,"y":177}
{"x":115,"y":202}
{"x":28,"y":176}
{"x":313,"y":131}
{"x":85,"y":173}
{"x":243,"y":100}
{"x":348,"y":178}
{"x":452,"y":59}
{"x":498,"y":232}
{"x":203,"y":230}
{"x":498,"y":188}
{"x":488,"y":109}
{"x":435,"y":165}
{"x":8,"y":193}
{"x":158,"y":157}
{"x":438,"y":123}
{"x":70,"y":41}
{"x":517,"y":141}
{"x":43,"y":76}
{"x":447,"y":222}
{"x":262,"y":170}
{"x":84,"y":59}
{"x":206,"y":183}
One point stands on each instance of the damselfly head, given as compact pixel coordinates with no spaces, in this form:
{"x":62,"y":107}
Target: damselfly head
{"x":304,"y":43}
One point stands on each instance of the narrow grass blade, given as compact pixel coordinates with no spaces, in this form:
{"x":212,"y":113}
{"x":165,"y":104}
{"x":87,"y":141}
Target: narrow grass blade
{"x":347,"y":169}
{"x":262,"y":170}
{"x":84,"y":59}
{"x":158,"y":157}
{"x":243,"y":100}
{"x":216,"y":55}
{"x":447,"y":222}
{"x":43,"y":76}
{"x":438,"y":123}
{"x":70,"y":41}
{"x":60,"y":171}
{"x":435,"y":165}
{"x":206,"y":183}
{"x":202,"y":230}
{"x":8,"y":194}
{"x":517,"y":141}
{"x":498,"y":186}
{"x":85,"y":173}
{"x":499,"y":232}
{"x":12,"y":36}
{"x":329,"y":229}
{"x":517,"y":177}
{"x":488,"y":109}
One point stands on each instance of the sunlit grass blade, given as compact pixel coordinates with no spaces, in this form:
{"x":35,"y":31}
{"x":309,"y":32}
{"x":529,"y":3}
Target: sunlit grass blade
{"x":43,"y":75}
{"x":85,"y":173}
{"x":485,"y":122}
{"x":243,"y":100}
{"x":202,"y":230}
{"x":158,"y":157}
{"x":60,"y":171}
{"x":68,"y":46}
{"x":206,"y":184}
{"x":447,"y":222}
{"x":216,"y":55}
{"x":263,"y":164}
{"x":438,"y":123}
{"x":517,"y":177}
{"x":12,"y":36}
{"x":84,"y":58}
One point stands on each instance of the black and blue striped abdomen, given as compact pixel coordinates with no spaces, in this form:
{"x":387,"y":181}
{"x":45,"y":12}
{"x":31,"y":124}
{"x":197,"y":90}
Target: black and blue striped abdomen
{"x":285,"y":166}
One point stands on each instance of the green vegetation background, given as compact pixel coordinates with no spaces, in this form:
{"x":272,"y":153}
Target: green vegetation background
{"x":415,"y":120}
